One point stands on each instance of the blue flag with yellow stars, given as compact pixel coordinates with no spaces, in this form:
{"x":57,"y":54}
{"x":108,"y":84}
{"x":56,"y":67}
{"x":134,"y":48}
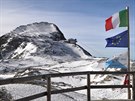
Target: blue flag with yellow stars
{"x":120,"y":40}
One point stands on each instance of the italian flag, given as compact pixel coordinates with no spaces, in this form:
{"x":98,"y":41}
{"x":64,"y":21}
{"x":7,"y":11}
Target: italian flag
{"x":119,"y":19}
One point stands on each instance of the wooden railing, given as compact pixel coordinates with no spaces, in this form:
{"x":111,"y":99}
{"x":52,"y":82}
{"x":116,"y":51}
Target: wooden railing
{"x":88,"y":86}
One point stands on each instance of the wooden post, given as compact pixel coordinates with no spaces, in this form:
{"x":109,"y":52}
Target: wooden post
{"x":133,"y":92}
{"x":48,"y":88}
{"x":88,"y":88}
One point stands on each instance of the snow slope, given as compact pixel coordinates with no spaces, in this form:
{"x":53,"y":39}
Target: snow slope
{"x":93,"y":64}
{"x":38,"y":40}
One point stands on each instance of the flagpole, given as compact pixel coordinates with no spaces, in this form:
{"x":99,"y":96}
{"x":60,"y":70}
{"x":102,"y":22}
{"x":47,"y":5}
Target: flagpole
{"x":129,"y":92}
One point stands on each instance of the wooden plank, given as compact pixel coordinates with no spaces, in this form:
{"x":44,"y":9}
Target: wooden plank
{"x":88,"y":88}
{"x":68,"y":90}
{"x":19,"y":80}
{"x":24,"y":79}
{"x":52,"y":92}
{"x":114,"y":100}
{"x":88,"y":72}
{"x":49,"y":89}
{"x":133,"y":92}
{"x":110,"y":86}
{"x":32,"y":97}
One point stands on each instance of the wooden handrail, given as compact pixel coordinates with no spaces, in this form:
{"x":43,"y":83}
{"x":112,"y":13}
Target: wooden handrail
{"x":88,"y":86}
{"x":30,"y":78}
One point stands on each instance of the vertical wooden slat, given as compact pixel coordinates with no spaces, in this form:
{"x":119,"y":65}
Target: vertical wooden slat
{"x":48,"y":88}
{"x":133,"y":92}
{"x":88,"y":88}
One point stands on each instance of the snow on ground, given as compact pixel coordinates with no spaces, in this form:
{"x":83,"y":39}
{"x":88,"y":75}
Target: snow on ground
{"x":110,"y":93}
{"x":24,"y":52}
{"x":68,"y":82}
{"x":36,"y":29}
{"x":24,"y":90}
{"x":76,"y":49}
{"x":6,"y":76}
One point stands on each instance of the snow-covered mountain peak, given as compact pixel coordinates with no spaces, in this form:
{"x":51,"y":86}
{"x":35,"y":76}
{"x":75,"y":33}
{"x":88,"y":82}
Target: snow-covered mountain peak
{"x":41,"y":39}
{"x":36,"y":29}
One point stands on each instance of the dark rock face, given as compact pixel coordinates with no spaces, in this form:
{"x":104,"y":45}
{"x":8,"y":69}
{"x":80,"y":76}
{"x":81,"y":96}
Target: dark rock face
{"x":7,"y":47}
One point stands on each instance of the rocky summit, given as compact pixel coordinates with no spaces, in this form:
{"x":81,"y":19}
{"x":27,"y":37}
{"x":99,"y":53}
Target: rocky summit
{"x":41,"y":39}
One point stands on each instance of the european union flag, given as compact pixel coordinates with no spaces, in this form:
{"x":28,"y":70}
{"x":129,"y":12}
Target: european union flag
{"x":120,"y":40}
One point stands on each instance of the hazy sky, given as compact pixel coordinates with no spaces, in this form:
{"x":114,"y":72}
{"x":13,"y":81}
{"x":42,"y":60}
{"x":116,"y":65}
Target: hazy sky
{"x":80,"y":19}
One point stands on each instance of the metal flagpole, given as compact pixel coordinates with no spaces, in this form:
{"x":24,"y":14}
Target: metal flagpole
{"x":129,"y":92}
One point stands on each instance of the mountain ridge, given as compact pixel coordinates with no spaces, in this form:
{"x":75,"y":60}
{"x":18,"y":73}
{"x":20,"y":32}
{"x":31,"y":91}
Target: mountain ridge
{"x":38,"y":39}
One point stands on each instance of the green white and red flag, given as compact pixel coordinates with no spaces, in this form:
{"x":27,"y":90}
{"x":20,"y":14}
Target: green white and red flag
{"x":119,"y":19}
